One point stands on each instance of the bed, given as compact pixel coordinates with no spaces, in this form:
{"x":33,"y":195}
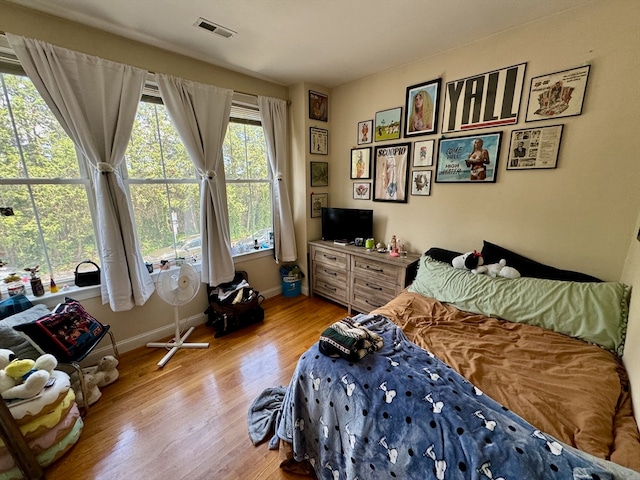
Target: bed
{"x":458,"y":391}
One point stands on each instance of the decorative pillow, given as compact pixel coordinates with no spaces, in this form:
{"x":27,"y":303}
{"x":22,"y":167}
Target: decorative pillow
{"x":492,"y":253}
{"x":67,"y":333}
{"x":442,"y":255}
{"x":13,"y":305}
{"x":14,"y":341}
{"x":594,"y":312}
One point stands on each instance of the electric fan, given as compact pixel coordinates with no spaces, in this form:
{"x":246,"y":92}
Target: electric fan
{"x":177,"y":287}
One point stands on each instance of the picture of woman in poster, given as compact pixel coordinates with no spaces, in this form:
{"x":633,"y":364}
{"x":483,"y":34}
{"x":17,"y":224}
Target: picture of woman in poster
{"x":477,"y":161}
{"x":421,"y":112}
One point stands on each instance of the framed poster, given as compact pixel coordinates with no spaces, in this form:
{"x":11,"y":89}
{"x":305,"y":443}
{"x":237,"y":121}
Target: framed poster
{"x":472,"y":159}
{"x":387,"y":126}
{"x":318,"y":106}
{"x":533,"y":148}
{"x":361,"y":162}
{"x":556,"y":95}
{"x":362,"y":191}
{"x":490,"y":99}
{"x":318,"y":200}
{"x":318,"y":141}
{"x":421,"y":182}
{"x":391,"y":172}
{"x":421,"y":108}
{"x":319,"y":174}
{"x":423,"y":153}
{"x":365,"y":132}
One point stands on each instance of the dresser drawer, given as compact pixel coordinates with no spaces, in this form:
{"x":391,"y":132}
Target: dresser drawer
{"x":372,"y":287}
{"x":332,"y":286}
{"x":331,"y":258}
{"x":365,"y":300}
{"x":381,"y":272}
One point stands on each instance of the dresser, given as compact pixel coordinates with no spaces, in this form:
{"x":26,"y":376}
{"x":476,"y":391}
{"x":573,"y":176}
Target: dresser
{"x":360,"y":280}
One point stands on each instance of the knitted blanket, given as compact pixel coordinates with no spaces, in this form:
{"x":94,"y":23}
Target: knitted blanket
{"x":349,"y":339}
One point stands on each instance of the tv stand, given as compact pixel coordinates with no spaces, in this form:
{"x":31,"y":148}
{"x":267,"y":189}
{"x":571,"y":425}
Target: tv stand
{"x":360,"y":280}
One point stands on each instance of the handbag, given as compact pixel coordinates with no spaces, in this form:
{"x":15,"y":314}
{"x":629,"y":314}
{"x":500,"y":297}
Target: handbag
{"x":86,"y":279}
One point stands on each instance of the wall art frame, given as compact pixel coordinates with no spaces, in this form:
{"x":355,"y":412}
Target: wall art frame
{"x":388,"y":124}
{"x":318,"y":141}
{"x":391,"y":172}
{"x":365,"y":132}
{"x":421,"y":182}
{"x":360,"y":163}
{"x":362,"y":191}
{"x":319,"y":173}
{"x":421,"y":108}
{"x":556,"y":95}
{"x":534,"y":148}
{"x":485,"y":100}
{"x":318,"y":200}
{"x":423,"y":153}
{"x":469,"y":159}
{"x":318,"y":106}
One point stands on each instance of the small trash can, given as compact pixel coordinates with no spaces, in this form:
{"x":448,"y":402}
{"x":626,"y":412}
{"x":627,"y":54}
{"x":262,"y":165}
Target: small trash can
{"x":291,"y":275}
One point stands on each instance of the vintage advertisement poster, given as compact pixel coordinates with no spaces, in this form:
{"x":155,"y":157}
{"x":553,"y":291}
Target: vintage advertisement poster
{"x":489,"y":99}
{"x":557,"y":95}
{"x":534,"y":148}
{"x":471,"y":159}
{"x":391,"y":173}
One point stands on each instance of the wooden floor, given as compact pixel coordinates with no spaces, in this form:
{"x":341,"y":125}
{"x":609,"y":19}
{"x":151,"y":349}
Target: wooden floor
{"x":188,"y":420}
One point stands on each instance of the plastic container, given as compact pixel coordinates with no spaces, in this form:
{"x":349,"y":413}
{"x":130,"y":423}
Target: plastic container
{"x":291,"y":276}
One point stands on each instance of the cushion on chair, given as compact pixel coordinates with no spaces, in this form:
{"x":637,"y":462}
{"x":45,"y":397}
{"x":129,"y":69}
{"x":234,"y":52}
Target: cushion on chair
{"x":67,"y":333}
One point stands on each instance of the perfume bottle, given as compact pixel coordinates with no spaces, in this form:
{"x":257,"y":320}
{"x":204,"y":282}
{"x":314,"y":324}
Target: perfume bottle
{"x":53,"y":288}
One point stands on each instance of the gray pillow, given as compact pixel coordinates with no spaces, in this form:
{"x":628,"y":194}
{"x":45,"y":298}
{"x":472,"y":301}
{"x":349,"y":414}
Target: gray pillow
{"x":12,"y":340}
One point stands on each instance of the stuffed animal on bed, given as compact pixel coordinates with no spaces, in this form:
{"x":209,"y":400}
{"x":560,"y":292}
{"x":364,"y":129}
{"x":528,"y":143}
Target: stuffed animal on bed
{"x":24,"y":378}
{"x":468,"y":261}
{"x":499,"y":269}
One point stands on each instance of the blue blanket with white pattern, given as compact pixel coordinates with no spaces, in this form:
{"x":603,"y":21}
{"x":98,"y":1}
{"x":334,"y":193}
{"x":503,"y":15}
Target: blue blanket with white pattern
{"x":403,"y":413}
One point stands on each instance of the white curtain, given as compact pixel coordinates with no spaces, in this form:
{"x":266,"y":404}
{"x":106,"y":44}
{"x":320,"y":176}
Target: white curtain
{"x":201,"y":113}
{"x":274,"y":122}
{"x":95,"y":101}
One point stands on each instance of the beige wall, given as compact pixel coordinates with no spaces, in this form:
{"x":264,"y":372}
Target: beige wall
{"x":579,"y":216}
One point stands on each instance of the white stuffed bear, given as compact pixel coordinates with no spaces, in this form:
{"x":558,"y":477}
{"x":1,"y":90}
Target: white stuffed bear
{"x":24,"y":378}
{"x":468,"y":261}
{"x":499,"y":269}
{"x":93,"y":392}
{"x":105,"y":372}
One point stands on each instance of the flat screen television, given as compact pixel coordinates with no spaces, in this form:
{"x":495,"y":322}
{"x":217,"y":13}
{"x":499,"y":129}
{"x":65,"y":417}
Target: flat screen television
{"x":346,"y":224}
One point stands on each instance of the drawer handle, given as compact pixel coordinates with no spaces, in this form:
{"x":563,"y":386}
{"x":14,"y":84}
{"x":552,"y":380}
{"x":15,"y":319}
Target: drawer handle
{"x":371,"y":285}
{"x":373,"y":304}
{"x":329,"y":257}
{"x":330,"y":288}
{"x":369,"y":267}
{"x":331,"y":273}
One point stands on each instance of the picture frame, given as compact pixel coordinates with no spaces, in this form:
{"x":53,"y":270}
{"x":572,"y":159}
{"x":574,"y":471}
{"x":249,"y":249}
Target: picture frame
{"x":462,"y":160}
{"x":388,"y":124}
{"x":391,"y":172}
{"x":362,"y":191}
{"x":318,"y":106}
{"x":318,"y":200}
{"x":486,"y":100}
{"x":556,"y":95}
{"x":319,"y":173}
{"x":365,"y":132}
{"x":423,"y":153}
{"x":318,"y":141}
{"x":534,"y":148}
{"x":360,"y":163}
{"x":421,"y":108}
{"x":421,"y":182}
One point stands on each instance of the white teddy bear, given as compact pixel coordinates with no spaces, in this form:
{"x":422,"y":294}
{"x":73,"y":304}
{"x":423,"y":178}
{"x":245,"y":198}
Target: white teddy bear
{"x":105,"y":372}
{"x":499,"y":269}
{"x":93,"y":392}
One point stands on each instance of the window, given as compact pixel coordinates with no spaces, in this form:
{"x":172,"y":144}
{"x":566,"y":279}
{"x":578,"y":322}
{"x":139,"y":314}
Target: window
{"x":50,"y":191}
{"x":164,"y":187}
{"x":41,"y":180}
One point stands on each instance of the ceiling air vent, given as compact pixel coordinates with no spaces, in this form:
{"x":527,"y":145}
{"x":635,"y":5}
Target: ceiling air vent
{"x":214,"y":28}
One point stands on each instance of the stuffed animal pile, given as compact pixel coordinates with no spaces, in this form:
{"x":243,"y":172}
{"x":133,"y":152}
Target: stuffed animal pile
{"x":96,"y":377}
{"x":24,"y":378}
{"x":474,"y":262}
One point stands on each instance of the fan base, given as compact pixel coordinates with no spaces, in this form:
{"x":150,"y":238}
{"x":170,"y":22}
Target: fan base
{"x":176,"y":345}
